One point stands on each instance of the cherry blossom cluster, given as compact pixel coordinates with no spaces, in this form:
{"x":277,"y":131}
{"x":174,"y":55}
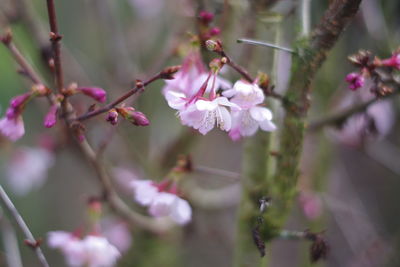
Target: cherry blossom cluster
{"x":372,"y":68}
{"x":91,"y":250}
{"x":194,"y":93}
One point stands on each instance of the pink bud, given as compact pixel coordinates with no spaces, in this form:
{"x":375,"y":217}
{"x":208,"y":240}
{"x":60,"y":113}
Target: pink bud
{"x":139,"y":119}
{"x":112,"y":117}
{"x":51,"y":117}
{"x":19,"y":100}
{"x":393,"y":61}
{"x":356,"y":80}
{"x":94,"y":92}
{"x":11,"y":113}
{"x":215,"y":31}
{"x":206,"y":17}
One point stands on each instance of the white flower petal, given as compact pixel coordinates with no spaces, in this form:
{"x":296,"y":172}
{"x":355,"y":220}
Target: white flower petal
{"x":207,"y":124}
{"x":224,"y":120}
{"x":181,"y":212}
{"x":267,"y":125}
{"x":206,"y":105}
{"x":162,"y":204}
{"x":260,"y":114}
{"x":145,"y":191}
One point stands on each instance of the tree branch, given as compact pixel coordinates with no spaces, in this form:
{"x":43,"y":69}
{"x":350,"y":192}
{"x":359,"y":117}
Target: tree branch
{"x":9,"y":206}
{"x":340,"y":118}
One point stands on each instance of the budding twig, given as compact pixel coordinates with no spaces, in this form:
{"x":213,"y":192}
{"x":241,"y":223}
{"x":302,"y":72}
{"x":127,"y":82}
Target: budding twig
{"x":131,"y":92}
{"x":9,"y":206}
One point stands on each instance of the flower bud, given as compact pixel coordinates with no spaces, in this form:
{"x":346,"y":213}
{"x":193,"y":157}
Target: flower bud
{"x":214,"y":46}
{"x":206,"y":17}
{"x":356,"y":80}
{"x":40,"y":90}
{"x":20,"y":100}
{"x":96,"y":93}
{"x":135,"y":117}
{"x":215,"y":31}
{"x":112,"y":117}
{"x":51,"y":117}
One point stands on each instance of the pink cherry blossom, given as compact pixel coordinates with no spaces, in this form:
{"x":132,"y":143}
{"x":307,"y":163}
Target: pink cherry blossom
{"x":311,"y":205}
{"x":92,"y":251}
{"x":117,"y":233}
{"x":160,"y":202}
{"x":96,"y":93}
{"x":251,"y":117}
{"x":204,"y":114}
{"x":12,"y":128}
{"x":27,"y":169}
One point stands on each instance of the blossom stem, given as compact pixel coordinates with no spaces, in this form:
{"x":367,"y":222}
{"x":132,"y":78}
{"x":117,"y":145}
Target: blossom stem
{"x":119,"y":100}
{"x":9,"y":206}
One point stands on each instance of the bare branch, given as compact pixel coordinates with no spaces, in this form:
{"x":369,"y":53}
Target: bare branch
{"x":9,"y":206}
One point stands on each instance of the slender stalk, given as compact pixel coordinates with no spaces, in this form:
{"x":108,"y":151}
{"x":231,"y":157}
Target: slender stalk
{"x":55,"y":38}
{"x":10,"y":243}
{"x":20,"y":59}
{"x":9,"y":206}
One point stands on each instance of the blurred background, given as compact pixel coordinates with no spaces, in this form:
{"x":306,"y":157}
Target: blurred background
{"x":350,"y":177}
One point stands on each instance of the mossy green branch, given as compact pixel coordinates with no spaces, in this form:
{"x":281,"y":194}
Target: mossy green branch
{"x":311,"y":53}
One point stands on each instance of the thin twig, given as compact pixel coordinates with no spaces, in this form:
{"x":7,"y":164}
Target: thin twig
{"x":20,"y":59}
{"x":10,"y":242}
{"x":339,"y":118}
{"x":9,"y":206}
{"x":263,"y":43}
{"x":55,"y":38}
{"x":119,"y":100}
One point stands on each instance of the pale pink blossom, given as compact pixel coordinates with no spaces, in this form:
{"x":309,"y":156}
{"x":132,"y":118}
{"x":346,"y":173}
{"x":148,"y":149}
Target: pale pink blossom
{"x":27,"y":169}
{"x":99,"y":252}
{"x":160,"y":202}
{"x":117,"y":233}
{"x":311,"y":205}
{"x":251,"y":116}
{"x":12,"y":128}
{"x":145,"y":191}
{"x":393,"y":61}
{"x":204,"y":114}
{"x":91,"y":251}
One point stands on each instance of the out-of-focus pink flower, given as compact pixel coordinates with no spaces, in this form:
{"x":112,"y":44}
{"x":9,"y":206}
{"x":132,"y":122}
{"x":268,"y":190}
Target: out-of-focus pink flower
{"x":99,"y":252}
{"x":373,"y":124}
{"x":393,"y":61}
{"x":250,"y":117}
{"x":311,"y":205}
{"x":92,"y":251}
{"x":117,"y":233}
{"x":27,"y":169}
{"x":355,"y":80}
{"x":96,"y":93}
{"x":147,"y":8}
{"x":51,"y":117}
{"x":206,"y":17}
{"x":12,"y":128}
{"x":162,"y":203}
